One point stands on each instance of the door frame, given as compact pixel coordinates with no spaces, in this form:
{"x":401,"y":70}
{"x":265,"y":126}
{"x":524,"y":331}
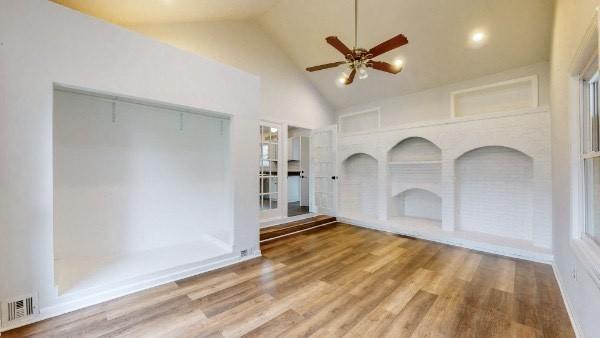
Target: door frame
{"x":281,"y":216}
{"x":332,"y":211}
{"x":281,"y":167}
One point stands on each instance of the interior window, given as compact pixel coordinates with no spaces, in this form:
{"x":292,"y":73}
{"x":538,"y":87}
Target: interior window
{"x":591,"y":152}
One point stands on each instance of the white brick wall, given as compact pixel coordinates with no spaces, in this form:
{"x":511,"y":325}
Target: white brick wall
{"x":417,"y":203}
{"x":527,"y":132}
{"x":415,"y":149}
{"x":494,"y":192}
{"x":425,"y":176}
{"x":358,"y":185}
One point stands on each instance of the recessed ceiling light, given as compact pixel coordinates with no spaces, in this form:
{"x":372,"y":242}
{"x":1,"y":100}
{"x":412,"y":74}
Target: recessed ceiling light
{"x":478,"y":37}
{"x":341,"y":81}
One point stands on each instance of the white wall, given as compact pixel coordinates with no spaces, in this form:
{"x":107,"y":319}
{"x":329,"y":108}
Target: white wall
{"x":417,"y":203}
{"x":527,"y":132}
{"x":434,"y":104}
{"x":141,"y":182}
{"x":287,"y":94}
{"x":572,"y":18}
{"x":358,"y":185}
{"x":494,"y":192}
{"x":42,"y":43}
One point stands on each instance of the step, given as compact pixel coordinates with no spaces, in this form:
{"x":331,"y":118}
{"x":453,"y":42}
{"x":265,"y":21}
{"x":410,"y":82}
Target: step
{"x":292,"y":227}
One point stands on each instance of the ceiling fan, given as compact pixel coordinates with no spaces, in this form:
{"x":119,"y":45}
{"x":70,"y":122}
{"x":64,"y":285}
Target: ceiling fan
{"x":359,"y":59}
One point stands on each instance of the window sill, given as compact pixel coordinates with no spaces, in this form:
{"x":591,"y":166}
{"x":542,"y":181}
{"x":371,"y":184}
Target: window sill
{"x":588,"y":254}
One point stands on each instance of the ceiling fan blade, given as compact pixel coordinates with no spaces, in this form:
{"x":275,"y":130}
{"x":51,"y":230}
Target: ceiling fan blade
{"x":325,"y":66}
{"x":350,"y":77}
{"x":384,"y":67}
{"x":339,"y":45}
{"x":384,"y":47}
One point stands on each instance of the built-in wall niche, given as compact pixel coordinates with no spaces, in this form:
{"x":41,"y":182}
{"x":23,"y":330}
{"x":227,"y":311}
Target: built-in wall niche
{"x":494,"y":192}
{"x":417,"y":203}
{"x":358,"y":186}
{"x":414,"y":162}
{"x":139,"y":189}
{"x":362,"y":121}
{"x":498,"y":97}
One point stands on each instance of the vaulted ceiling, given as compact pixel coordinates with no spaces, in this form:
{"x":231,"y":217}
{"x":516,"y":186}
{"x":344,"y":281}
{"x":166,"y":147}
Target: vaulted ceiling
{"x":134,"y":12}
{"x":439,"y":51}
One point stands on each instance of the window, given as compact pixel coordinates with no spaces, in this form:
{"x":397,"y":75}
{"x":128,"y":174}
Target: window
{"x":590,"y":151}
{"x":268,"y":175}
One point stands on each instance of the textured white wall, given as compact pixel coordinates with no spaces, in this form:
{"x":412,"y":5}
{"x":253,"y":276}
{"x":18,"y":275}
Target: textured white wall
{"x":526,"y":132}
{"x":494,"y":192}
{"x":358,"y":185}
{"x":287,"y":94}
{"x":417,"y":203}
{"x":415,"y":149}
{"x":572,"y":18}
{"x":43,"y":43}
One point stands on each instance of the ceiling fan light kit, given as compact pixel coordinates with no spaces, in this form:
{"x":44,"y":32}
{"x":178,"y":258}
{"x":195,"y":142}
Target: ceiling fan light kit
{"x":359,"y":59}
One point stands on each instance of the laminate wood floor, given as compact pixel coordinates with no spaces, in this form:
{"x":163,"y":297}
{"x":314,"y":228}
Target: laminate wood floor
{"x":338,"y":281}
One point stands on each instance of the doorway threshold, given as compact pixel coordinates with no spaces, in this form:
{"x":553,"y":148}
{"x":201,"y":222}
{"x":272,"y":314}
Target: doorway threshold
{"x":281,"y":220}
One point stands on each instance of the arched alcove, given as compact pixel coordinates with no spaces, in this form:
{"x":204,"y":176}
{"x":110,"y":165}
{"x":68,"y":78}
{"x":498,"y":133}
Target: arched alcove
{"x":415,"y":162}
{"x":358,"y":185}
{"x":414,"y":149}
{"x":494,"y":192}
{"x":419,"y":203}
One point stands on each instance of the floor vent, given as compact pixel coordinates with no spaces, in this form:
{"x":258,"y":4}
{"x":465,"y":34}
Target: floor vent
{"x":19,"y":309}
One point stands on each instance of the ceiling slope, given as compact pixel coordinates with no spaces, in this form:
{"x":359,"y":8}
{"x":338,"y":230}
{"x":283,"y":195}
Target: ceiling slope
{"x":136,"y":12}
{"x":438,"y":31}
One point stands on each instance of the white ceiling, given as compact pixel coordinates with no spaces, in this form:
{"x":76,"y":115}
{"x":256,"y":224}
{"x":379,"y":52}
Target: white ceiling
{"x":133,"y":12}
{"x":438,"y":31}
{"x":519,"y":33}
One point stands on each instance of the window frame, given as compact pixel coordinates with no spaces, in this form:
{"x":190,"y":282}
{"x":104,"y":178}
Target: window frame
{"x":584,"y":68}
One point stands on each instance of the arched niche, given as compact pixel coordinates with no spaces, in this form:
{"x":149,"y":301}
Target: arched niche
{"x":358,"y":185}
{"x":415,"y":162}
{"x":418,"y":203}
{"x":414,"y":149}
{"x":494,"y":192}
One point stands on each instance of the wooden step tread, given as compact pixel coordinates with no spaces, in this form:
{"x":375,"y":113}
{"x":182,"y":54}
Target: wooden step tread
{"x":287,"y":228}
{"x":294,"y":223}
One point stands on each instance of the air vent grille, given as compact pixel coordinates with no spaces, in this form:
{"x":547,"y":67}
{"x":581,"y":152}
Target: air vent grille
{"x":19,"y":309}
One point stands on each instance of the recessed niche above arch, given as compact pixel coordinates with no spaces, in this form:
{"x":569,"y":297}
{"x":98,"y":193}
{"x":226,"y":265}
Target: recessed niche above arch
{"x":414,"y":150}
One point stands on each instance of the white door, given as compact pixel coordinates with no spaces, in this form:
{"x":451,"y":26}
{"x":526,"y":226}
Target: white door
{"x":269,"y":177}
{"x":323,"y":172}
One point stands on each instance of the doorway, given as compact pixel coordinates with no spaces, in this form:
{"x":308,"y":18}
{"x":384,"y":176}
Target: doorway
{"x":270,"y":171}
{"x":298,"y":171}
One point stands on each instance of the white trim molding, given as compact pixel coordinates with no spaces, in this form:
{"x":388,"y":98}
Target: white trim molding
{"x":586,"y":251}
{"x":533,"y":94}
{"x":570,"y":310}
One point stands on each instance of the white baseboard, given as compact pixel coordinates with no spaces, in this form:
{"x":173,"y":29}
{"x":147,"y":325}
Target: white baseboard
{"x":447,"y":238}
{"x":172,"y":275}
{"x":574,"y":322}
